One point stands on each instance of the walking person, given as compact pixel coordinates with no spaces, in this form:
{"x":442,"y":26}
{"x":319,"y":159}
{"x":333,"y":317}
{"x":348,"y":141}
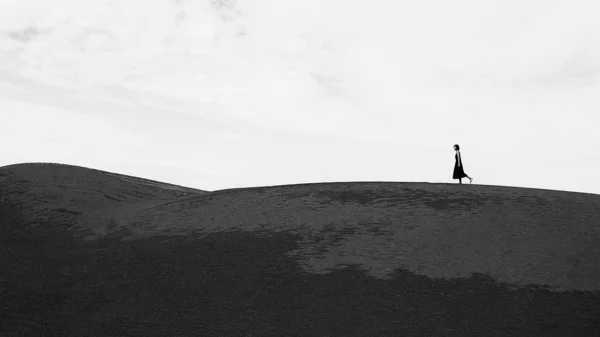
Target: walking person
{"x":459,"y":170}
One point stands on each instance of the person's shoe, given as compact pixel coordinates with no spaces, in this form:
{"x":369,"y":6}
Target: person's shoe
{"x":470,"y":180}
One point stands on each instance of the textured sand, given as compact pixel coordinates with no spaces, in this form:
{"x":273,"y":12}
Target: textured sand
{"x":111,"y":255}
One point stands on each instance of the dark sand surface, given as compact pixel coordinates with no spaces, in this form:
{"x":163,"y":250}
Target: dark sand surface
{"x":87,"y":253}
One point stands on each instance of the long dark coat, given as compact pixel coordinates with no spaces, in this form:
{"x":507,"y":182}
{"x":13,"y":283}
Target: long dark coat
{"x":459,"y":171}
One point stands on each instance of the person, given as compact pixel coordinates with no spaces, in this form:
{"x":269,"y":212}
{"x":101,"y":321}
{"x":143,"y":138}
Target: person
{"x":459,"y":169}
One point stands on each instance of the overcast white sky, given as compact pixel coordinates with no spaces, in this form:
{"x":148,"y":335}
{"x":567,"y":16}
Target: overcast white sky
{"x":265,"y":92}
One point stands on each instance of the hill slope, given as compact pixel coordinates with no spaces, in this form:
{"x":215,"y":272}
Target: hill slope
{"x":92,"y":202}
{"x":337,"y":259}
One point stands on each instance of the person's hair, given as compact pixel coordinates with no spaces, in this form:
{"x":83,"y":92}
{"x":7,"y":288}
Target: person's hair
{"x":457,"y":147}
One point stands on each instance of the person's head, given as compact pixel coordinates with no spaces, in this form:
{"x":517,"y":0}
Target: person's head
{"x":456,"y":147}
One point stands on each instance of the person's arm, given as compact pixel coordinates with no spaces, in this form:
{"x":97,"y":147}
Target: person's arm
{"x":459,"y":160}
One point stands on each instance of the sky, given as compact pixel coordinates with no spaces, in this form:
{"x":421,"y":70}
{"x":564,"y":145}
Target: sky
{"x":217,"y":94}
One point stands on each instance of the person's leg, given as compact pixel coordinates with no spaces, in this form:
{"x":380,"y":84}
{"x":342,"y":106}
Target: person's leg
{"x":460,"y":180}
{"x":470,"y":179}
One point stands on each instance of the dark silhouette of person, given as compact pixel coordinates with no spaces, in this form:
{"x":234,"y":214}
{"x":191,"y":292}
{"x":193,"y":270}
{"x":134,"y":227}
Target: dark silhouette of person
{"x":459,"y":169}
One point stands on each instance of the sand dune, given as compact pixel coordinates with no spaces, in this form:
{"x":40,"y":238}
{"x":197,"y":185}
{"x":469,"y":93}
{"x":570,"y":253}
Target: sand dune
{"x":88,"y":201}
{"x":87,"y":252}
